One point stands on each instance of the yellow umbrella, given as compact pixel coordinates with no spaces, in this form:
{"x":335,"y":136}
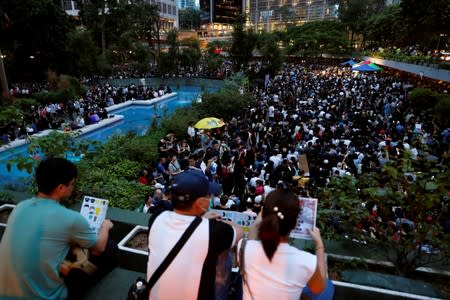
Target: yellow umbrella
{"x":209,"y":123}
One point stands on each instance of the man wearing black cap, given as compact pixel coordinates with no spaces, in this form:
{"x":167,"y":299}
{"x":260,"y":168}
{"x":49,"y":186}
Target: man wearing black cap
{"x":191,"y":275}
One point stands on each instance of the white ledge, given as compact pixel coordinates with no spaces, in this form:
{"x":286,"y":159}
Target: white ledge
{"x":91,"y":127}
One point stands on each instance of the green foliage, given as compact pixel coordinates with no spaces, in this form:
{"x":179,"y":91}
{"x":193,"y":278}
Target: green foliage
{"x":381,"y":26}
{"x":226,"y":103}
{"x":111,"y":170}
{"x":9,"y":113}
{"x":346,"y":208}
{"x":316,"y":38}
{"x":31,"y":42}
{"x":442,"y":110}
{"x":166,"y":63}
{"x":6,"y":197}
{"x":424,"y":21}
{"x":82,"y":51}
{"x":179,"y":121}
{"x":243,"y":43}
{"x":189,"y":18}
{"x":65,"y":88}
{"x":25,"y":104}
{"x":271,"y":54}
{"x":355,"y":264}
{"x":422,"y":99}
{"x":55,"y":144}
{"x":190,"y":53}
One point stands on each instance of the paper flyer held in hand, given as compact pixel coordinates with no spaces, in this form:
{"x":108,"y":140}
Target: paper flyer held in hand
{"x":244,"y":220}
{"x":94,"y":210}
{"x":306,"y":218}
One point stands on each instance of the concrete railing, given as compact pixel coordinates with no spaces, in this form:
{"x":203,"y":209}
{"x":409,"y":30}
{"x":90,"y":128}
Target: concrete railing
{"x":438,"y":74}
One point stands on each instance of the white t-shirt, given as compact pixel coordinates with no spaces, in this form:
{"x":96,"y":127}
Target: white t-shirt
{"x":283,"y":278}
{"x":189,"y":274}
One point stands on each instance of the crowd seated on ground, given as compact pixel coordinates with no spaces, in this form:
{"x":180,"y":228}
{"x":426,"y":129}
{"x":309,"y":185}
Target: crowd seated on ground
{"x":346,"y":123}
{"x":74,"y":114}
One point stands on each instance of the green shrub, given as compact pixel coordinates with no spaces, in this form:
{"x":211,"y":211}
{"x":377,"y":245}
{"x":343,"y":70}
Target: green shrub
{"x":25,"y":103}
{"x":179,"y":121}
{"x":5,"y":197}
{"x":9,"y":113}
{"x":442,"y":110}
{"x":422,"y":99}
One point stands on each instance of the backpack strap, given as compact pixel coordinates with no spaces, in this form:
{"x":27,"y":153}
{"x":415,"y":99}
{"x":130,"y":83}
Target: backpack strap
{"x":242,"y":266}
{"x":173,"y":253}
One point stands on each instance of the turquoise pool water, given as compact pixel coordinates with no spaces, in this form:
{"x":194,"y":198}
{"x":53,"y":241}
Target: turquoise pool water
{"x":137,"y":118}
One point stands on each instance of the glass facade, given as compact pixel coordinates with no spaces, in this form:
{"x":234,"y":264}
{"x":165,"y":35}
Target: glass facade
{"x":275,"y":14}
{"x":224,"y":11}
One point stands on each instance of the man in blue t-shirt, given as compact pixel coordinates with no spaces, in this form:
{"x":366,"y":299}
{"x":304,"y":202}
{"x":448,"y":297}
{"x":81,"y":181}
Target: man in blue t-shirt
{"x":40,"y":233}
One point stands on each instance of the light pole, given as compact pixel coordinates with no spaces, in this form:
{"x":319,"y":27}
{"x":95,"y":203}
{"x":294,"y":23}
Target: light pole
{"x":3,"y":79}
{"x":211,"y":17}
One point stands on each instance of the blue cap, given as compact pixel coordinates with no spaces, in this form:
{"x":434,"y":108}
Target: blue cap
{"x":194,"y":182}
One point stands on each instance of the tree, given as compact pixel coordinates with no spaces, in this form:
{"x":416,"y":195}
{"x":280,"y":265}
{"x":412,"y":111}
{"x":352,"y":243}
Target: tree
{"x":148,"y":25}
{"x":230,"y":100}
{"x":95,"y":14}
{"x":82,"y":52}
{"x":31,"y":43}
{"x":271,"y":54}
{"x":395,"y":212}
{"x":243,"y":44}
{"x":316,"y":38}
{"x":189,"y":18}
{"x":190,"y":53}
{"x":387,"y":28}
{"x":354,"y":13}
{"x":424,"y":21}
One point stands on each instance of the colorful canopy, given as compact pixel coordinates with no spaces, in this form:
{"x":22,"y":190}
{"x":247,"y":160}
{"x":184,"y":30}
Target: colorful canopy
{"x":366,"y":66}
{"x":350,"y":62}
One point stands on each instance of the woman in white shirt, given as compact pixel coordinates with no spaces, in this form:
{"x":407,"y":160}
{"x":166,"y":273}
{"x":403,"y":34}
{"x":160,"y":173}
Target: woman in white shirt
{"x":272,"y":268}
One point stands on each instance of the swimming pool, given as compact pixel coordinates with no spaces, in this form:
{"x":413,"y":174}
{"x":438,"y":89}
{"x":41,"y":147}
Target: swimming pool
{"x":137,"y":118}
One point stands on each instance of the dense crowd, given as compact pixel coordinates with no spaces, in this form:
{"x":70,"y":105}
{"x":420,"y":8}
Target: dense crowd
{"x":74,"y":114}
{"x":344,"y":123}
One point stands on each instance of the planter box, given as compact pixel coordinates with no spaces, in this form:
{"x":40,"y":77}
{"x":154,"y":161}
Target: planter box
{"x":131,"y":258}
{"x":5,"y":209}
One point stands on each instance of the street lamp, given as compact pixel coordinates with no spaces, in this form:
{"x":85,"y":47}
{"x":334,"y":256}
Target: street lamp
{"x":439,"y":40}
{"x":308,"y":4}
{"x":3,"y":80}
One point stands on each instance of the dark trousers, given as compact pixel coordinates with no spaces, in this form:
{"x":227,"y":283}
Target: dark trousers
{"x":79,"y":282}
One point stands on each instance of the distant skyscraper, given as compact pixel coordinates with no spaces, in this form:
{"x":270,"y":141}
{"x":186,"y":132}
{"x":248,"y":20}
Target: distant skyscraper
{"x":392,"y":2}
{"x":273,"y":14}
{"x":224,"y":11}
{"x":183,"y":4}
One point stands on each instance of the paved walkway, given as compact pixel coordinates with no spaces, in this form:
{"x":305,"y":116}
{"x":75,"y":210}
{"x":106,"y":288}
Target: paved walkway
{"x":438,"y":74}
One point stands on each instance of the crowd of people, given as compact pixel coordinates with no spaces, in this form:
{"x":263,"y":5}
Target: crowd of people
{"x":346,"y":124}
{"x":74,"y":114}
{"x":310,"y":123}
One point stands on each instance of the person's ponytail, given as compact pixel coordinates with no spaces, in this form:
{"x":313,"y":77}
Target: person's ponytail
{"x":269,"y":234}
{"x":279,"y":217}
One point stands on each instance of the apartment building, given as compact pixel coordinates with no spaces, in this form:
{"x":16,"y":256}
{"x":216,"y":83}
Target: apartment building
{"x":168,"y":11}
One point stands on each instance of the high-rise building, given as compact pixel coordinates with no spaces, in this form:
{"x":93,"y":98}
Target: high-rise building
{"x":168,"y":11}
{"x":183,"y":4}
{"x":217,"y":16}
{"x":392,"y":2}
{"x":269,"y":15}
